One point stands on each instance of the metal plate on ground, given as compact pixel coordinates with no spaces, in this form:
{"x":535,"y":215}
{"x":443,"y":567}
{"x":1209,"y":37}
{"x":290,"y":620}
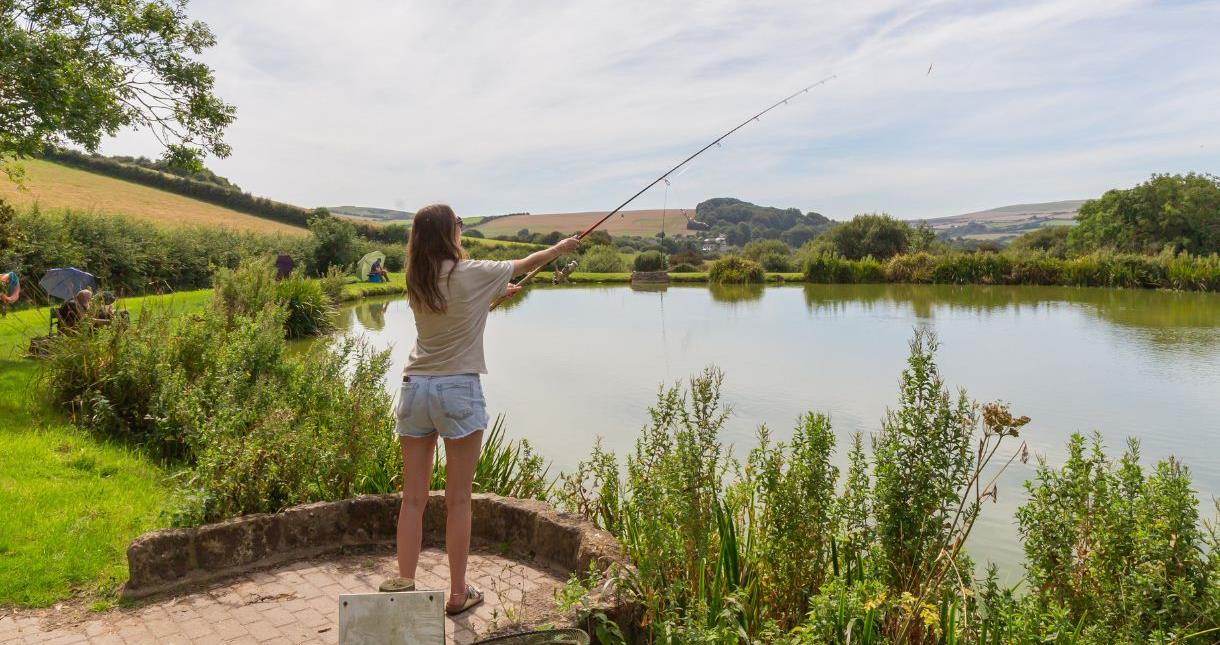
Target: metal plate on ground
{"x":408,"y":618}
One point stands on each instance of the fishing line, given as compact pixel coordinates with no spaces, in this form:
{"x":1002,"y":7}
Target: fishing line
{"x":716,"y":142}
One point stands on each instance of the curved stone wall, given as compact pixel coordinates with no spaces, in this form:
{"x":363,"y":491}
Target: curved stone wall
{"x":172,"y":559}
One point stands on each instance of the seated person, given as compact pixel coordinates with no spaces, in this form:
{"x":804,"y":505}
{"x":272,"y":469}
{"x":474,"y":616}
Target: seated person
{"x":104,"y":312}
{"x":74,"y":310}
{"x":385,"y":275}
{"x":10,"y":287}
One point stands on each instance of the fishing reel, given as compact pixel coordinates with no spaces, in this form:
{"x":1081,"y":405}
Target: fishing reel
{"x":561,"y":275}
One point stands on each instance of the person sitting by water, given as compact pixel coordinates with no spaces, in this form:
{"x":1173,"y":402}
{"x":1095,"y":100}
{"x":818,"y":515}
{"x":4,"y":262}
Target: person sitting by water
{"x":104,"y":313}
{"x":10,"y":288}
{"x":74,"y":310}
{"x":441,"y":393}
{"x":375,"y":271}
{"x":380,"y":270}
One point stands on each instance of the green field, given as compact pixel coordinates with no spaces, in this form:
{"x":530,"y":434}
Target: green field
{"x":73,"y":501}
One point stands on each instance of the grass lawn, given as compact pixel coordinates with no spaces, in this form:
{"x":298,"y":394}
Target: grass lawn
{"x":72,"y":503}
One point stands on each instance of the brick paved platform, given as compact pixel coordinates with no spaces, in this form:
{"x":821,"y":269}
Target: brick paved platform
{"x":295,"y":603}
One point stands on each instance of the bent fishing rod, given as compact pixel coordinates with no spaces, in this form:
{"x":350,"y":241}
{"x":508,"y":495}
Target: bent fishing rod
{"x":529,"y":276}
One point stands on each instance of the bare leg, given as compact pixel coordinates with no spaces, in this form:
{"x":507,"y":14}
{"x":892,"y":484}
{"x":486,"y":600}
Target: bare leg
{"x":417,"y":455}
{"x":461,"y":456}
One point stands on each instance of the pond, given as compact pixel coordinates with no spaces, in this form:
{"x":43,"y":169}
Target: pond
{"x":571,"y":364}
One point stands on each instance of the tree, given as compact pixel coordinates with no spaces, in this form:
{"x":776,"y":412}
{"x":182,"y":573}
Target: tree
{"x":1052,"y":240}
{"x":599,"y":237}
{"x":71,"y":72}
{"x":923,"y":238}
{"x":1175,"y":212}
{"x":796,"y":236}
{"x":878,"y":235}
{"x":757,"y":249}
{"x":336,"y":239}
{"x":602,"y":259}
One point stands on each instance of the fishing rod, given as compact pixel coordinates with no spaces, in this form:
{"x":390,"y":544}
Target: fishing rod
{"x":529,"y":276}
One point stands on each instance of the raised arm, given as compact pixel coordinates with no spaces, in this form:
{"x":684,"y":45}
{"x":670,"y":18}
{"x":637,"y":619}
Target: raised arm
{"x":541,"y":258}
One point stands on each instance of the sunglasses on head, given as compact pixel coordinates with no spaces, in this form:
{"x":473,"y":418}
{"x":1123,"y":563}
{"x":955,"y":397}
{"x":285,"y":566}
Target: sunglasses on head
{"x":461,"y":226}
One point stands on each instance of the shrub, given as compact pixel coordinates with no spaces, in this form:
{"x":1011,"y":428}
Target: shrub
{"x":310,"y":310}
{"x":878,"y":235}
{"x":1051,"y":240}
{"x":1119,"y":550}
{"x":602,"y":258}
{"x":131,"y":256}
{"x":827,"y":268}
{"x":776,"y":262}
{"x":735,"y":270}
{"x":683,"y":268}
{"x":758,"y":249}
{"x":771,"y":552}
{"x":252,"y":286}
{"x":332,"y":284}
{"x":649,"y":261}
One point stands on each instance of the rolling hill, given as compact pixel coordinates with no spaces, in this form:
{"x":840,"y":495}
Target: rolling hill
{"x":1006,"y":222}
{"x":645,"y":223}
{"x":371,"y":213}
{"x":53,"y":186}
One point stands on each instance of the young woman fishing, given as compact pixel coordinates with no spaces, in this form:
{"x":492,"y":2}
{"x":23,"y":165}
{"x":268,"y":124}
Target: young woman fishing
{"x":441,"y":393}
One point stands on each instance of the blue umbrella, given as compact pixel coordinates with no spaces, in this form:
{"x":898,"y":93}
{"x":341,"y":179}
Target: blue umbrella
{"x":64,"y":283}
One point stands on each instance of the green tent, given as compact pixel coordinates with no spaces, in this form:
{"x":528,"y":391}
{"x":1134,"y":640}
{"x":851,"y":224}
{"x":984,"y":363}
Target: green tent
{"x":365,"y":266}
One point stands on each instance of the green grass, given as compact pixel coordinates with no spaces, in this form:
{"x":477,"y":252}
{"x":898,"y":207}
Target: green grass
{"x":358,"y":290}
{"x":71,"y":503}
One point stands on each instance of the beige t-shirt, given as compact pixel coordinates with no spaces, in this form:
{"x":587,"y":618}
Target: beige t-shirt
{"x":452,"y":342}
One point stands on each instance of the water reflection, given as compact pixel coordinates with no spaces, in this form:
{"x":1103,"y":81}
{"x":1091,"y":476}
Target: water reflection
{"x":569,"y":364}
{"x":736,"y":293}
{"x":371,"y":314}
{"x":1189,"y":321}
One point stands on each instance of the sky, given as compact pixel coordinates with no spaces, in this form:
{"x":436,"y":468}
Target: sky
{"x":936,"y":107}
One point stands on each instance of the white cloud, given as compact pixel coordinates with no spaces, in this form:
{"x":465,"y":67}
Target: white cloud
{"x":543,"y":106}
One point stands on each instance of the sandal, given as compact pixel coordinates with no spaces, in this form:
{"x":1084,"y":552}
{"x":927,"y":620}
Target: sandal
{"x":473,"y":597}
{"x":395,"y":585}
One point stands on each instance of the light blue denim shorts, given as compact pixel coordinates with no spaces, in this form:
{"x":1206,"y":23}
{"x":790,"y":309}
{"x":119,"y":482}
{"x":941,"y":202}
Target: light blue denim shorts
{"x":451,"y":406}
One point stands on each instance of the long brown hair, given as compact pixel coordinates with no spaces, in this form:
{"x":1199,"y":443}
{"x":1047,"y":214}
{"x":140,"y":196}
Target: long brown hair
{"x":431,"y":243}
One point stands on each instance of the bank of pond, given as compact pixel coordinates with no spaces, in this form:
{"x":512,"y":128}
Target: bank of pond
{"x":865,"y":510}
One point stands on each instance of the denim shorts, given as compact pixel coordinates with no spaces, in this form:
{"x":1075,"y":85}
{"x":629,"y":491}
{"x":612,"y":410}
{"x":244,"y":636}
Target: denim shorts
{"x":451,"y":406}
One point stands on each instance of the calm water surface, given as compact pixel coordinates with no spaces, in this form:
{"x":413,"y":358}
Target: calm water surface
{"x":572,"y":364}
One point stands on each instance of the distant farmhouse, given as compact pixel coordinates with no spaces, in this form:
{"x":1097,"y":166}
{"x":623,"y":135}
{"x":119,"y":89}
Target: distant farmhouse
{"x":715,"y":244}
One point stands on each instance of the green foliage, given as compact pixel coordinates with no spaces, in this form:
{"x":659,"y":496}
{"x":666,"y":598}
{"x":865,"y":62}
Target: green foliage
{"x":1179,"y":213}
{"x":776,"y":552}
{"x":310,"y":311}
{"x":1051,"y":240}
{"x":336,"y":241}
{"x":252,"y":287}
{"x":742,"y":222}
{"x":1117,"y":548}
{"x":78,"y":71}
{"x":131,"y":256}
{"x":1100,"y":269}
{"x":505,"y":467}
{"x":876,"y":235}
{"x":649,"y":261}
{"x":258,"y":427}
{"x":758,"y":249}
{"x":923,"y":457}
{"x":735,"y":270}
{"x":683,"y":267}
{"x":602,"y":259}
